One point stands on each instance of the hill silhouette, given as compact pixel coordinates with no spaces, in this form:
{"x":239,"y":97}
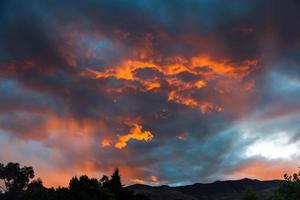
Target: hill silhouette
{"x":231,"y":189}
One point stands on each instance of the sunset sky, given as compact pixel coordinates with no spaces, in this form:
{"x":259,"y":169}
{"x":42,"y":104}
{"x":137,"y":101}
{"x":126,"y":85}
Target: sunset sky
{"x":169,"y":91}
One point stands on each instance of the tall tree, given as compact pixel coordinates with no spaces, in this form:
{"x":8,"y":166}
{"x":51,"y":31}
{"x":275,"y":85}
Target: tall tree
{"x":115,"y":181}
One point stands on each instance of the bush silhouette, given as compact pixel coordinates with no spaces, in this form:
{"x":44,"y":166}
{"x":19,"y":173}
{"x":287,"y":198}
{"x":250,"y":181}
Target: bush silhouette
{"x":290,"y":188}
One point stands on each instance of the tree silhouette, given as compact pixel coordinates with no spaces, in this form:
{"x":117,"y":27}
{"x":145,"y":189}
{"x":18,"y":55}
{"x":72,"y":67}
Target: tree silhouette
{"x":86,"y":188}
{"x":115,"y":181}
{"x":13,"y":178}
{"x":290,"y":188}
{"x":104,"y":181}
{"x":16,"y":185}
{"x":35,"y":191}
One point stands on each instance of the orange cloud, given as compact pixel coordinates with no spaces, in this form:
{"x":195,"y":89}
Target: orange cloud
{"x":200,"y":84}
{"x":223,"y":68}
{"x":151,"y":179}
{"x":138,"y":181}
{"x":151,"y":85}
{"x":135,"y":133}
{"x":106,"y":143}
{"x":178,"y":65}
{"x":265,"y":170}
{"x":203,"y":106}
{"x":55,"y":177}
{"x":154,"y":179}
{"x":210,"y":72}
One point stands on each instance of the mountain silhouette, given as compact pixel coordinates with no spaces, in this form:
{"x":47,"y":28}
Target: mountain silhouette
{"x":219,"y":190}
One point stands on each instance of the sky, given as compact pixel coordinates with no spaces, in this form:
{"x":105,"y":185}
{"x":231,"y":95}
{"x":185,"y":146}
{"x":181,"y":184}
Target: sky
{"x":170,"y":92}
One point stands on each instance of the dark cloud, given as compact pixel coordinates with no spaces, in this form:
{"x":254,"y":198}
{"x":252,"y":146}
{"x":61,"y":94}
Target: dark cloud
{"x":208,"y":79}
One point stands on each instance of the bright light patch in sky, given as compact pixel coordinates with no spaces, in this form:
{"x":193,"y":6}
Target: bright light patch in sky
{"x":275,"y":147}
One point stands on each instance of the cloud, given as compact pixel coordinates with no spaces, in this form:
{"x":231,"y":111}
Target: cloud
{"x":105,"y":143}
{"x":154,"y":179}
{"x":135,"y":133}
{"x":195,"y":86}
{"x":138,"y":181}
{"x":267,"y":170}
{"x":203,"y":68}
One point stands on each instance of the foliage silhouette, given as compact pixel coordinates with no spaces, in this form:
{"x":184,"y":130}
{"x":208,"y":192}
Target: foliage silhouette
{"x":16,"y":185}
{"x":249,"y":194}
{"x":290,"y":188}
{"x":14,"y":180}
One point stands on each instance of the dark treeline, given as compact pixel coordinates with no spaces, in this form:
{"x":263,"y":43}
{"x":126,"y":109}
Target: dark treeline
{"x":17,"y":183}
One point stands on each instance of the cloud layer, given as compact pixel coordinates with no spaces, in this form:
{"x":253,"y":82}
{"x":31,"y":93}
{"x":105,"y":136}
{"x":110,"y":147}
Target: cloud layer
{"x":170,"y":92}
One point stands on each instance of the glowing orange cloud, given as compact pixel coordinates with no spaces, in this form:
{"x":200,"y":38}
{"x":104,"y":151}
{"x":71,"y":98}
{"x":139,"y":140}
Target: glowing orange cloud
{"x":105,"y":143}
{"x":154,"y":179}
{"x":207,"y":69}
{"x":135,"y":133}
{"x":138,"y":181}
{"x":177,"y":66}
{"x":265,"y":170}
{"x":200,"y":84}
{"x":151,"y":85}
{"x":120,"y":72}
{"x":203,"y":106}
{"x":55,"y":177}
{"x":151,"y":179}
{"x":223,"y":68}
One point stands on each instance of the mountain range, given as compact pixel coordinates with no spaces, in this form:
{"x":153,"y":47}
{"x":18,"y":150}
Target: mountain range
{"x":219,"y":190}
